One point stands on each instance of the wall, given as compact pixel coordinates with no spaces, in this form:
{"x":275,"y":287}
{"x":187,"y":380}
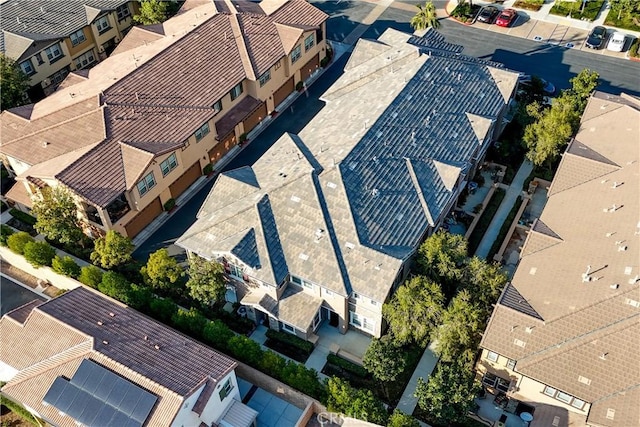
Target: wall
{"x":46,"y":69}
{"x":215,"y":407}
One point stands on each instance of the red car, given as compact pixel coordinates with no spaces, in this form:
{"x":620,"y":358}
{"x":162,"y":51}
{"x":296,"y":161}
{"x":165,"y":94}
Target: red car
{"x":506,"y":17}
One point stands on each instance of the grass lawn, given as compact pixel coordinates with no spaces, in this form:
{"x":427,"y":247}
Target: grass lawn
{"x":573,"y":8}
{"x":485,"y":220}
{"x":529,"y":4}
{"x":627,"y":21}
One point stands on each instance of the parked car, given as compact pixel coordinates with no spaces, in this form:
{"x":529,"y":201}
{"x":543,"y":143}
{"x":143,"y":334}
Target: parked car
{"x":596,"y":38}
{"x":616,"y":42}
{"x":488,"y":14}
{"x":506,"y":17}
{"x":547,"y":87}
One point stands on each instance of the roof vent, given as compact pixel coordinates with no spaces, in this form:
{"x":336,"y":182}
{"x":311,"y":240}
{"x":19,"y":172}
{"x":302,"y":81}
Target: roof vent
{"x":44,"y":144}
{"x":529,"y":329}
{"x":519,"y":343}
{"x":112,"y":314}
{"x":157,"y":347}
{"x":533,"y":271}
{"x":295,"y":199}
{"x":584,"y":380}
{"x":632,"y":302}
{"x":99,"y":323}
{"x":622,"y":248}
{"x":611,"y":413}
{"x":105,"y":342}
{"x":146,"y":338}
{"x":633,"y":280}
{"x":614,"y":286}
{"x":616,"y":184}
{"x":303,"y":256}
{"x":603,"y":356}
{"x":349,"y":245}
{"x":375,"y":192}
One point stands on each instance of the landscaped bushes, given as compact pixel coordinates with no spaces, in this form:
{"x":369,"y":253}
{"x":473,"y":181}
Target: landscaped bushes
{"x":574,"y":9}
{"x":24,"y":217}
{"x":5,"y":232}
{"x":39,"y":254}
{"x":291,"y":340}
{"x":90,"y":275}
{"x":17,"y":241}
{"x":347,"y":365}
{"x":65,"y":266}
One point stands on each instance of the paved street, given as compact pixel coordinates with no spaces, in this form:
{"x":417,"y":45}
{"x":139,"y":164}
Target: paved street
{"x":554,"y":63}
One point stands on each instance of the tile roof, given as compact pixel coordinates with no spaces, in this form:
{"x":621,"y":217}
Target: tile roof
{"x":577,"y":286}
{"x":372,"y":171}
{"x":20,"y":314}
{"x":121,"y":104}
{"x":236,"y":114}
{"x":298,"y":308}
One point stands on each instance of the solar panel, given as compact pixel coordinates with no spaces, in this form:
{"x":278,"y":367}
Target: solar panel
{"x":98,"y":397}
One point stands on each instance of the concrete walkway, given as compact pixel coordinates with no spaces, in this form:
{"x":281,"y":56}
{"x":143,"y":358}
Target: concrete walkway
{"x":425,"y":366}
{"x":514,"y":190}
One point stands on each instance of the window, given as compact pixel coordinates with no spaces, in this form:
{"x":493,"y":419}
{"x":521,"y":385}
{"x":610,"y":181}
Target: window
{"x":202,"y":132}
{"x":27,"y":67}
{"x":265,"y":78}
{"x":549,"y":391}
{"x":577,"y":403}
{"x":288,"y":328}
{"x":489,"y":379}
{"x":59,"y":76}
{"x":236,"y":91}
{"x":39,"y":58}
{"x":563,"y":397}
{"x":226,"y":389}
{"x":85,"y":60}
{"x":316,"y":321}
{"x":234,"y":270}
{"x":296,"y":54}
{"x":77,"y":37}
{"x":146,"y":184}
{"x":123,"y":12}
{"x":511,"y":364}
{"x":102,"y":25}
{"x":309,"y":42}
{"x":296,"y":280}
{"x":217,"y":106}
{"x":53,"y":52}
{"x":169,"y":164}
{"x":502,"y":384}
{"x":278,"y":65}
{"x":492,"y":356}
{"x":360,"y":321}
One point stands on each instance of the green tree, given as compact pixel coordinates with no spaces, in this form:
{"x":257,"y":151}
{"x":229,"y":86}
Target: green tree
{"x":400,"y":419}
{"x":459,"y":334}
{"x":13,"y":84}
{"x":66,"y":266}
{"x":206,"y":280}
{"x":17,"y":241}
{"x":90,"y":275}
{"x":426,"y":17}
{"x":448,"y":394}
{"x":163,"y":309}
{"x":246,"y":349}
{"x":441,"y":257}
{"x":38,"y":253}
{"x":57,"y":215}
{"x":582,"y":86}
{"x":217,"y":334}
{"x":152,"y":12}
{"x":551,"y":130}
{"x":485,"y":282}
{"x":414,"y":311}
{"x":5,"y":232}
{"x":115,"y":286}
{"x":384,"y":360}
{"x":161,"y":270}
{"x":112,"y":250}
{"x":190,"y":322}
{"x":356,"y":403}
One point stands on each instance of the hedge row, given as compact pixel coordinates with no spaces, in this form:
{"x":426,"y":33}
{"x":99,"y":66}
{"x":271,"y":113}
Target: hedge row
{"x":24,"y":217}
{"x":347,"y":366}
{"x":5,"y":232}
{"x":291,"y":340}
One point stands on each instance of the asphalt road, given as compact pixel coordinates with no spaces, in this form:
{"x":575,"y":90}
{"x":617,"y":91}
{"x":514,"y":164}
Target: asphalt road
{"x":556,"y":64}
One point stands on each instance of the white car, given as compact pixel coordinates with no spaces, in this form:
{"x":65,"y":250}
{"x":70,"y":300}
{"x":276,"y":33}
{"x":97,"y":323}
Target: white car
{"x":616,"y":42}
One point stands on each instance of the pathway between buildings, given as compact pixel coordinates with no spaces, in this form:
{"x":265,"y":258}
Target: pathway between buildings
{"x":514,"y":190}
{"x":425,"y":366}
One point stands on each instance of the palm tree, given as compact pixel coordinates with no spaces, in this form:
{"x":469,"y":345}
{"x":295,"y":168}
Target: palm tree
{"x":425,"y":18}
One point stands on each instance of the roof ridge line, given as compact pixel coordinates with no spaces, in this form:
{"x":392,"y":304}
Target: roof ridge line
{"x":238,"y":32}
{"x":416,"y":186}
{"x":624,"y":390}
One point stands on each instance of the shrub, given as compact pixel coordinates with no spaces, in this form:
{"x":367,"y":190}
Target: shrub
{"x":163,"y":309}
{"x":246,"y":349}
{"x":299,"y":85}
{"x":17,"y":241}
{"x":243,"y":138}
{"x":217,"y":334}
{"x":115,"y":286}
{"x":39,"y":253}
{"x":291,"y":340}
{"x":273,"y":363}
{"x":191,"y":322}
{"x":207,"y":169}
{"x":300,"y":377}
{"x":347,"y":366}
{"x":66,"y":266}
{"x":3,"y":205}
{"x":5,"y":232}
{"x":24,"y":217}
{"x":353,"y":402}
{"x":170,"y":204}
{"x":633,"y":50}
{"x":138,"y":297}
{"x":90,"y":275}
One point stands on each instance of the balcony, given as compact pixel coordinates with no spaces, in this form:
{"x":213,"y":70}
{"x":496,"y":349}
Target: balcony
{"x":118,"y":208}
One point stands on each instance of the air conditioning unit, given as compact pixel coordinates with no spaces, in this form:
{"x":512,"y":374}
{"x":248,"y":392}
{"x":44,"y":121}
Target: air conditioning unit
{"x":46,"y":83}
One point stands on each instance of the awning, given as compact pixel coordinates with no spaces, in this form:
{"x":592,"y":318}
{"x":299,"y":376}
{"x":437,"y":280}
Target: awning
{"x":237,"y":415}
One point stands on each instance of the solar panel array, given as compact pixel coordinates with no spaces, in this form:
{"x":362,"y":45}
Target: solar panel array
{"x":98,"y":397}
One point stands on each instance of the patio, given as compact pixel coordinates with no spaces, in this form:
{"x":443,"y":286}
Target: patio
{"x":353,"y":343}
{"x":272,"y":411}
{"x":479,"y":193}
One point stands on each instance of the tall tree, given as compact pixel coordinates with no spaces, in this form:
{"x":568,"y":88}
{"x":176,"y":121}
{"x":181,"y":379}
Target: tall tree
{"x":414,"y":311}
{"x":57,"y":216}
{"x":206,"y":280}
{"x":459,"y":334}
{"x":13,"y":84}
{"x":152,"y":12}
{"x":582,"y":86}
{"x":485,"y":282}
{"x":112,"y":250}
{"x":448,"y":394}
{"x":384,"y":360}
{"x":356,"y":403}
{"x":400,"y":419}
{"x":161,"y":270}
{"x":441,"y":258}
{"x":426,"y":17}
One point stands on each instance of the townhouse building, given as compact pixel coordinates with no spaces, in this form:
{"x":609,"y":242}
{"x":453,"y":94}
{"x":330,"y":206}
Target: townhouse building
{"x":49,"y":39}
{"x":322,"y":227}
{"x":85,"y":359}
{"x":565,"y":334}
{"x":138,"y":129}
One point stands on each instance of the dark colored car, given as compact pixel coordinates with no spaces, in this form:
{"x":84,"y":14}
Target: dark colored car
{"x":488,"y":14}
{"x":506,"y":17}
{"x":597,"y":37}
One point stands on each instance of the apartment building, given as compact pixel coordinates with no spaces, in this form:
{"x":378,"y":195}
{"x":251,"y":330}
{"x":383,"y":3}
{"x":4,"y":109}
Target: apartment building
{"x":565,"y":334}
{"x":85,"y":359}
{"x":322,"y":226}
{"x":49,"y":39}
{"x":137,"y":129}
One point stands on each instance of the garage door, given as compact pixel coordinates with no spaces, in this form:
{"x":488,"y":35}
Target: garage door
{"x":185,"y":180}
{"x":143,"y":218}
{"x":255,"y":117}
{"x":285,"y":90}
{"x":222,"y":147}
{"x":308,"y":68}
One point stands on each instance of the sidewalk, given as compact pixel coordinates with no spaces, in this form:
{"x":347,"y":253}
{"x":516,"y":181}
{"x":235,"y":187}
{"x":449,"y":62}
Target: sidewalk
{"x":514,"y":190}
{"x":427,"y":363}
